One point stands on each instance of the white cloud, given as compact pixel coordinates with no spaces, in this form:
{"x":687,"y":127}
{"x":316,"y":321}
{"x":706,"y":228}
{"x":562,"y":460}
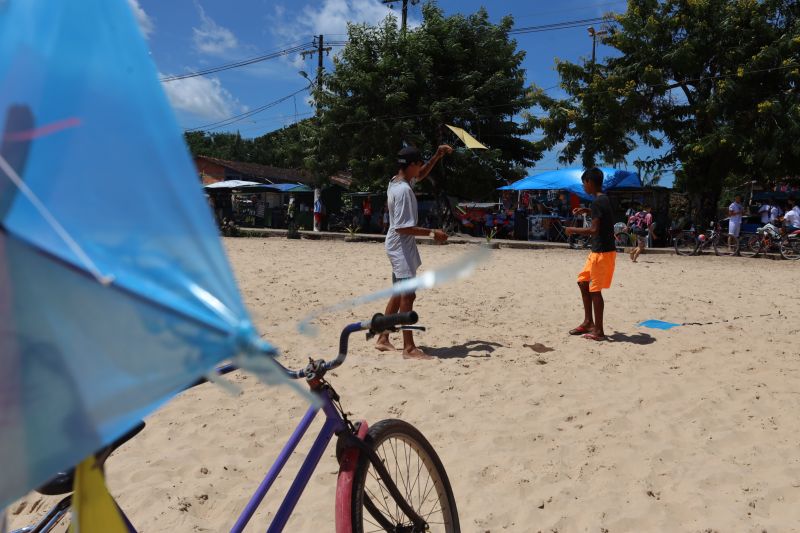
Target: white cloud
{"x":204,"y":97}
{"x":211,"y":38}
{"x":331,"y":17}
{"x":144,"y":20}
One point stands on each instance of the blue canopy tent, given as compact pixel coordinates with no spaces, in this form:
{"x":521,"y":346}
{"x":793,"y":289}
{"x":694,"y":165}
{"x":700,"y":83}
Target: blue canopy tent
{"x":569,"y":179}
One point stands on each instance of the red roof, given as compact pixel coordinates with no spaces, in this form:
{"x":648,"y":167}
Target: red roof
{"x":265,"y":173}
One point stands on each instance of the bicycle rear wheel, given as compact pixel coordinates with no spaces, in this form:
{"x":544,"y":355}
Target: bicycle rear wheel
{"x":726,"y":244}
{"x":790,"y":249}
{"x":685,"y":244}
{"x":416,"y":471}
{"x":750,"y":246}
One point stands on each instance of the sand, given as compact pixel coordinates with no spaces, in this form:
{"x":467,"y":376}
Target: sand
{"x":691,"y":429}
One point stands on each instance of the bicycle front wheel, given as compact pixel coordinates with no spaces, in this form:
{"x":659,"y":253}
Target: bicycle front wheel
{"x":726,"y":245}
{"x":417,"y":472}
{"x":685,"y":244}
{"x":790,"y":249}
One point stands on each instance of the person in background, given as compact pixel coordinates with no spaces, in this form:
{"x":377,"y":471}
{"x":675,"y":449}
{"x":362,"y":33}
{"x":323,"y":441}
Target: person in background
{"x":735,"y":212}
{"x":367,"y":207}
{"x":385,"y":220}
{"x":791,"y":219}
{"x":764,"y":211}
{"x":775,"y":213}
{"x":641,"y":224}
{"x":318,"y":209}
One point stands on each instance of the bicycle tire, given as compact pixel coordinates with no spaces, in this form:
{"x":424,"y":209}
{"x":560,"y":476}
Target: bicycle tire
{"x":790,"y":249}
{"x":400,"y":445}
{"x":726,"y":245}
{"x":751,"y":246}
{"x":685,"y":245}
{"x":624,"y":240}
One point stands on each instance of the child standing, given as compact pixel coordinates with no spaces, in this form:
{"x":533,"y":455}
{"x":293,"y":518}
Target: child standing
{"x":599,"y":268}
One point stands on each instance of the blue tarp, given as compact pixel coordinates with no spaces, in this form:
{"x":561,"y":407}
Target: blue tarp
{"x":290,"y":187}
{"x":115,"y":292}
{"x":569,"y":179}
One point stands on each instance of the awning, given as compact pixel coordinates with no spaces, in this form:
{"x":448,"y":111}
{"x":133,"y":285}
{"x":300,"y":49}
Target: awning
{"x":569,"y":179}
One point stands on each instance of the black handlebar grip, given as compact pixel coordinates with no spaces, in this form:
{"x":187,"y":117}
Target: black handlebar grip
{"x":381,"y":323}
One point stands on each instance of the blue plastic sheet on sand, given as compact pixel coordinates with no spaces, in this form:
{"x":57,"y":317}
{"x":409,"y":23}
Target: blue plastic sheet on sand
{"x":658,"y":324}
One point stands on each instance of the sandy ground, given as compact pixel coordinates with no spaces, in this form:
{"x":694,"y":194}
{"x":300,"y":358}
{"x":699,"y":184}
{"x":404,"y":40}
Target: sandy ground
{"x":692,"y":429}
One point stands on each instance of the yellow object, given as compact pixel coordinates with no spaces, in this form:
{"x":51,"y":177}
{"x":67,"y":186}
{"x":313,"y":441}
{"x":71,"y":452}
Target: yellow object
{"x":93,"y":508}
{"x":468,"y":140}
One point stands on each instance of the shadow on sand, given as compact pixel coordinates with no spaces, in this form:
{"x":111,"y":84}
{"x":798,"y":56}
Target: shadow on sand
{"x":637,"y":338}
{"x":468,"y":349}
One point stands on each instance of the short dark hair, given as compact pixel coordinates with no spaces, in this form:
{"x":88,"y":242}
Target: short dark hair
{"x":595,"y":176}
{"x":408,"y":156}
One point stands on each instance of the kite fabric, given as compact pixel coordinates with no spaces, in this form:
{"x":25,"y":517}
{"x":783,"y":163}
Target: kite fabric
{"x":115,"y":292}
{"x":468,"y":140}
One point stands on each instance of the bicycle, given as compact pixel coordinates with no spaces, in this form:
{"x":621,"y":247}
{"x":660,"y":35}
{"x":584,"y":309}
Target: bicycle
{"x":581,"y":242}
{"x":769,"y":238}
{"x":790,"y":246}
{"x":372,"y":492}
{"x":622,"y":237}
{"x":689,"y":242}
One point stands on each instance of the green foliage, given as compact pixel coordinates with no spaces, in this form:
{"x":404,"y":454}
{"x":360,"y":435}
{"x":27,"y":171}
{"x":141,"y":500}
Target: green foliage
{"x":389,"y":87}
{"x":285,"y":148}
{"x":716,"y":79}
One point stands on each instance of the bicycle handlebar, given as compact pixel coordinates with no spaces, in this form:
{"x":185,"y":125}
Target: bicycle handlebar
{"x":378,"y":324}
{"x":381,"y":323}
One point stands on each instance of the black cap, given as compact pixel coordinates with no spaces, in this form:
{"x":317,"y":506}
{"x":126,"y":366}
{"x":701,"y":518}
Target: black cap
{"x":408,"y":155}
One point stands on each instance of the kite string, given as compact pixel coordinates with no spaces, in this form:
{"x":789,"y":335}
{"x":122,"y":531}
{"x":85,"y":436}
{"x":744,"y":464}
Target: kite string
{"x":55,"y":224}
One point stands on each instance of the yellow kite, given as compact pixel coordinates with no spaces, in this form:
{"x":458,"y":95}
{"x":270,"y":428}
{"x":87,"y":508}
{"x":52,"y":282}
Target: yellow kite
{"x":468,"y":140}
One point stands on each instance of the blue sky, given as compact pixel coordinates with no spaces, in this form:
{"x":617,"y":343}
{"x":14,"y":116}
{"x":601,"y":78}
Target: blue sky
{"x":189,"y":35}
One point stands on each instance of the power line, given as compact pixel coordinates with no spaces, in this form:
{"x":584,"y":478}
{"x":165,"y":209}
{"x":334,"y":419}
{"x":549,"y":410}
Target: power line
{"x":242,"y":63}
{"x":558,"y":25}
{"x":236,"y":118}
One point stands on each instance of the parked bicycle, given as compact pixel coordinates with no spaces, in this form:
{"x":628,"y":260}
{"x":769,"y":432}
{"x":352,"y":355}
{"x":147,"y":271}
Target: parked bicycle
{"x":692,"y":242}
{"x":581,"y":242}
{"x":390,"y":477}
{"x":623,"y":238}
{"x":770,"y":239}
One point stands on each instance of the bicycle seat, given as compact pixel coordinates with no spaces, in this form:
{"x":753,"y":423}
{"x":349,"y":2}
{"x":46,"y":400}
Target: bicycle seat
{"x":62,"y":482}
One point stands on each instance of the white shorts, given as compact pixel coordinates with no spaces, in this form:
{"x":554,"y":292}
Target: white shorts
{"x":734,"y":226}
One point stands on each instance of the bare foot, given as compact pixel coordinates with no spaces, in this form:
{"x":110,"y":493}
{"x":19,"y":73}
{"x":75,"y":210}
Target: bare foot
{"x":416,"y":353}
{"x":383,"y":345}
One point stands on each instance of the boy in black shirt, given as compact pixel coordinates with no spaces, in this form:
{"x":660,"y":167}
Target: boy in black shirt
{"x":599,"y":268}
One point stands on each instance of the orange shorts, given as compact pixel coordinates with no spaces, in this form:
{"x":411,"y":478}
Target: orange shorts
{"x":598,"y":270}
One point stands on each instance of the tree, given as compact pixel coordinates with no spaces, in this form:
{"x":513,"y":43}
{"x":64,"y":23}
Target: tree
{"x":716,"y":78}
{"x":598,"y":121}
{"x":388,"y":87}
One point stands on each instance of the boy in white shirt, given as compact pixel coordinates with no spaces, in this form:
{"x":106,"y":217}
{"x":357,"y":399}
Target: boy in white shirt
{"x":401,"y":247}
{"x":735,"y":212}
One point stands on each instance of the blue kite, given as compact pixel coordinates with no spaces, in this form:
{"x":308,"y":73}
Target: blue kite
{"x":115,"y":293}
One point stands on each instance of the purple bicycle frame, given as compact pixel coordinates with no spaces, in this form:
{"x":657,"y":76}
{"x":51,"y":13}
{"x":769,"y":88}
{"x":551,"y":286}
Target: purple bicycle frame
{"x":333,"y":424}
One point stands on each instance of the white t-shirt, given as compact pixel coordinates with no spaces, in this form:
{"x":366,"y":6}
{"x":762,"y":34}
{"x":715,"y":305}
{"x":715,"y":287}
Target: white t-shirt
{"x":402,"y":249}
{"x":774,"y":213}
{"x":792,"y":218}
{"x":737,"y":209}
{"x":764,"y":212}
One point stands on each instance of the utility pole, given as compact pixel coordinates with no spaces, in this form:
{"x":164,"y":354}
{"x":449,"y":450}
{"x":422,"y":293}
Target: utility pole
{"x":594,"y":35}
{"x":404,"y":11}
{"x":319,"y":44}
